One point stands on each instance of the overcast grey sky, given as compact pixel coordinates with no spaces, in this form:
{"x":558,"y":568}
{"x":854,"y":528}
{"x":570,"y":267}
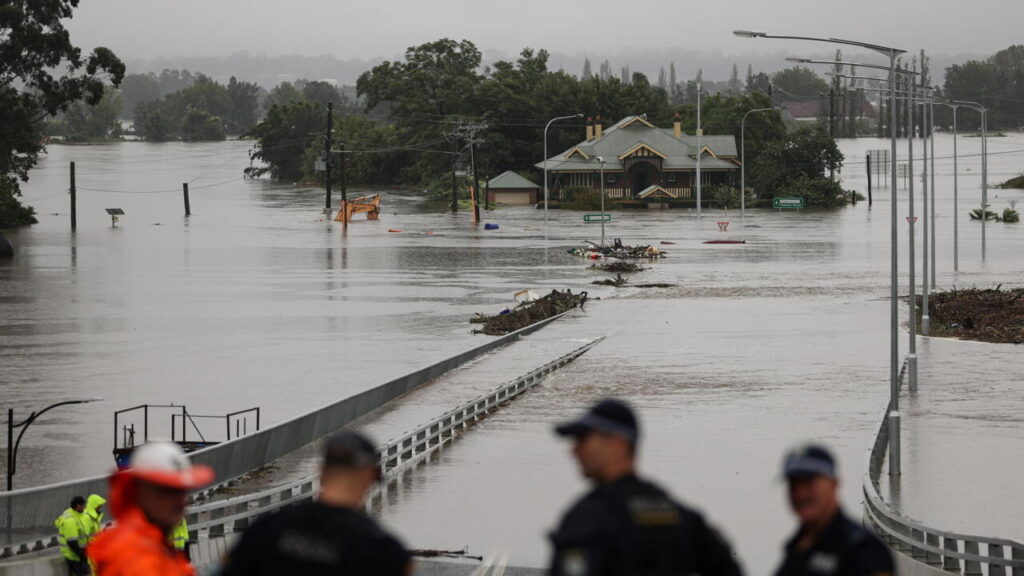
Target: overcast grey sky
{"x":364,"y":29}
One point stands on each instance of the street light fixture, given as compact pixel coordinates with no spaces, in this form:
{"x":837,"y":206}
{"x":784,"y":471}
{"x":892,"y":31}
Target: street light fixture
{"x":894,"y":416}
{"x":550,"y":122}
{"x":743,"y":157}
{"x":12,"y":446}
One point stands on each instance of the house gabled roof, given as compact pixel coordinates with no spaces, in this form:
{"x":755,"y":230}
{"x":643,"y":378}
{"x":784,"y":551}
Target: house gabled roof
{"x":654,"y":191}
{"x":632,"y":132}
{"x":509,"y":180}
{"x":644,"y":149}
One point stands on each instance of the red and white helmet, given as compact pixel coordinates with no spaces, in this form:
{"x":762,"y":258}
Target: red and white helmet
{"x":165,"y":464}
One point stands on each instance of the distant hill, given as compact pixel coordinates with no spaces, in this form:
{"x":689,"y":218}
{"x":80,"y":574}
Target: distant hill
{"x":268,"y":71}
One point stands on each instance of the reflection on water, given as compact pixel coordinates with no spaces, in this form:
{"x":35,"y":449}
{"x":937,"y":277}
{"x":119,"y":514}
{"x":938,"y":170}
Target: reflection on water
{"x":255,"y":300}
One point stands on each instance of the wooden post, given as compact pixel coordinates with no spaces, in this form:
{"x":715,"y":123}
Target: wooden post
{"x":74,"y":199}
{"x":184,"y":192}
{"x":869,"y":179}
{"x":455,"y":195}
{"x":327,"y":156}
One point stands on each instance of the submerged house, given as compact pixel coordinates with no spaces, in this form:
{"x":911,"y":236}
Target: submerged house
{"x":642,"y":162}
{"x":511,"y":189}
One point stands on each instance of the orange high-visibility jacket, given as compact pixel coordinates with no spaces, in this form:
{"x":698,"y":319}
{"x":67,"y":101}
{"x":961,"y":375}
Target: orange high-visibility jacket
{"x":134,"y":545}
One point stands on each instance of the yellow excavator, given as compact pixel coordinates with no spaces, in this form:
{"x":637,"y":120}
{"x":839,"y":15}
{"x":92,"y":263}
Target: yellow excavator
{"x":370,"y":205}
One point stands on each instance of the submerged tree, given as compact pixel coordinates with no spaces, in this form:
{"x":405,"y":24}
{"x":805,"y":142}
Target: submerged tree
{"x":33,"y":45}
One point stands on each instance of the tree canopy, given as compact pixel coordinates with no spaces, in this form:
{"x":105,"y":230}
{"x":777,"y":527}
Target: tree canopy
{"x":996,"y":82}
{"x":41,"y":74}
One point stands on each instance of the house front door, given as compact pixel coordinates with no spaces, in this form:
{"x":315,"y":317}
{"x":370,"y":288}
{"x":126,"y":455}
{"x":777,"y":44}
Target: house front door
{"x":641,"y":179}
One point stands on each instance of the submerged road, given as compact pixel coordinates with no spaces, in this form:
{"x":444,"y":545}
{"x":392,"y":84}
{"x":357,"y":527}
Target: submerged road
{"x":252,"y":301}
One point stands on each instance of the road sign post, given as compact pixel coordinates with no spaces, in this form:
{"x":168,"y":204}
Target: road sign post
{"x":595,"y":218}
{"x":788,"y":203}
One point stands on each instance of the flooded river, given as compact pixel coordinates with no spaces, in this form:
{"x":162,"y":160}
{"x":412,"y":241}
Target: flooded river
{"x":255,"y":301}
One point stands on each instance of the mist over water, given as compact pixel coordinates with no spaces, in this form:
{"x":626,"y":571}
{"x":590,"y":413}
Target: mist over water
{"x":254,"y":300}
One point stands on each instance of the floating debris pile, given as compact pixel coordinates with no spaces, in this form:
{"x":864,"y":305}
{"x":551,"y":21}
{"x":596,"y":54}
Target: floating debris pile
{"x":530,"y":312}
{"x":618,"y":267}
{"x":986,"y":315}
{"x":617,"y":249}
{"x":619,"y":282}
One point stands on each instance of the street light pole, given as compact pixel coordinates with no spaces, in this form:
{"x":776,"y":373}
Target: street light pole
{"x":12,"y":446}
{"x":700,"y":151}
{"x":925,"y":289}
{"x":743,"y":158}
{"x":956,"y":198}
{"x":894,"y":415}
{"x":984,"y":163}
{"x":911,"y":267}
{"x":546,"y":160}
{"x":600,"y":159}
{"x":931,"y":133}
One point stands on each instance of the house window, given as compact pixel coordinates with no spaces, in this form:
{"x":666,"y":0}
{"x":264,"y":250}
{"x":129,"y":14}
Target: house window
{"x":610,"y":178}
{"x":670,"y":178}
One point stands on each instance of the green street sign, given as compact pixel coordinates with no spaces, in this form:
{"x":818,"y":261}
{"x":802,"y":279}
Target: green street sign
{"x":794,"y":203}
{"x":597,"y":218}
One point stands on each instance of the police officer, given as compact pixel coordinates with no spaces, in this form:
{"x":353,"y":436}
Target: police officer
{"x":72,"y":535}
{"x":827,"y":543}
{"x":331,"y":535}
{"x":627,"y":525}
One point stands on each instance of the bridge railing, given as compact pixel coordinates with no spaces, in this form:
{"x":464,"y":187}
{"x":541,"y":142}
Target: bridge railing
{"x":964,"y":554}
{"x":27,"y":515}
{"x":221,"y":517}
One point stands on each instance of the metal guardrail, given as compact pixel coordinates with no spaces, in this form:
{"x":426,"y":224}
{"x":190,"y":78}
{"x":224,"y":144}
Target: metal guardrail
{"x":218,"y":518}
{"x":26,"y":515}
{"x":949,"y":551}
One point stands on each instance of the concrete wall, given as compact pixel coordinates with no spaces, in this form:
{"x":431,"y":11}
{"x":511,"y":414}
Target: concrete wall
{"x":907,"y":566}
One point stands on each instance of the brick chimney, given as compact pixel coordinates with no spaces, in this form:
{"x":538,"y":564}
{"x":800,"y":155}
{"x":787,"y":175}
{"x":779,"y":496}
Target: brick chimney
{"x":598,"y":128}
{"x":590,"y":128}
{"x":677,"y":126}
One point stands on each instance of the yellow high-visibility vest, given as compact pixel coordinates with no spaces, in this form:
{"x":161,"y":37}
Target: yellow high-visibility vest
{"x":179,"y":537}
{"x":70,"y":529}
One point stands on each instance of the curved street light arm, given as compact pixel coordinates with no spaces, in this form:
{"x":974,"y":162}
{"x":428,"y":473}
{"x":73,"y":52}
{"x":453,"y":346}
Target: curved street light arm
{"x":32,"y":418}
{"x":892,"y":52}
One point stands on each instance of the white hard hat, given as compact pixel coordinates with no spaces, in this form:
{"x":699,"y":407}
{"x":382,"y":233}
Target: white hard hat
{"x":165,"y":463}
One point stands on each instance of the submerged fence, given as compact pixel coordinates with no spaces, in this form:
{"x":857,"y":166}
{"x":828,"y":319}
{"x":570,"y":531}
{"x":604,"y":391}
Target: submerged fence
{"x":944,"y":551}
{"x":26,"y":520}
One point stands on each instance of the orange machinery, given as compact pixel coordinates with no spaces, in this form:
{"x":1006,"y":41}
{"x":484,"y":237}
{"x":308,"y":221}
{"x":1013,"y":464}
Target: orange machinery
{"x":368,"y":204}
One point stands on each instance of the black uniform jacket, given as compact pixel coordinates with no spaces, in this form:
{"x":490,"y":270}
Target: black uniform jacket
{"x":312,"y":539}
{"x":843,"y":549}
{"x":631,"y":527}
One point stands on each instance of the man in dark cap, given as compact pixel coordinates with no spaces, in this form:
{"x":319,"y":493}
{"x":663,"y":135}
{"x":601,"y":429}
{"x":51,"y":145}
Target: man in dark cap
{"x":626,"y":525}
{"x":330,"y":535}
{"x":827,"y":543}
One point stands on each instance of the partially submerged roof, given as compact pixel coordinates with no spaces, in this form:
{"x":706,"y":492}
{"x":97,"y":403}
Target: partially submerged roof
{"x":654,"y":191}
{"x":635,"y":135}
{"x":509,"y":180}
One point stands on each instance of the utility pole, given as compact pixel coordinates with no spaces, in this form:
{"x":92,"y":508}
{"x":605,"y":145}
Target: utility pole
{"x":74,"y":199}
{"x":468,"y":133}
{"x":344,"y":173}
{"x":476,"y":180}
{"x":831,"y":113}
{"x":327,"y":156}
{"x":455,"y":196}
